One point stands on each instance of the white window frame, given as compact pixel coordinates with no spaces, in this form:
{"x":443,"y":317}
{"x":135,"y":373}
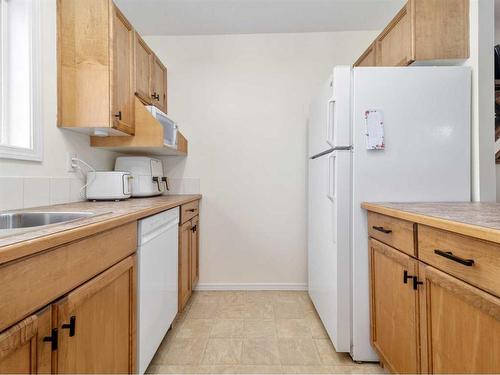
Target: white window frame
{"x":35,"y":152}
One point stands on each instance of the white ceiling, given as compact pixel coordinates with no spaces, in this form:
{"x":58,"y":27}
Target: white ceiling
{"x":193,"y":17}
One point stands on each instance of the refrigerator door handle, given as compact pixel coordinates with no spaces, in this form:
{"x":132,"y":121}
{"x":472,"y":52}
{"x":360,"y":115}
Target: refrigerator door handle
{"x":330,"y":122}
{"x":331,"y":175}
{"x":330,"y":150}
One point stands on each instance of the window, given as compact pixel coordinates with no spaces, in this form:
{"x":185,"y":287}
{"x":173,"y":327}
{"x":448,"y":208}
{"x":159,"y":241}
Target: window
{"x":20,"y":96}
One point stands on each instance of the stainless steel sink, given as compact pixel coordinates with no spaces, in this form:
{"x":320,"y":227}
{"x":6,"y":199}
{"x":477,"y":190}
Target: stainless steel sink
{"x":17,"y":220}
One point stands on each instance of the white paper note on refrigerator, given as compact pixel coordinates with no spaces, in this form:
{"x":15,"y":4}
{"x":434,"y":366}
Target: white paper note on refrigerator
{"x":374,"y":130}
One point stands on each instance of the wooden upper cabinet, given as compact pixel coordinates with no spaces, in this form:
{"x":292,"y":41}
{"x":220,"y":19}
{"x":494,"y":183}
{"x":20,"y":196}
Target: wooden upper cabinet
{"x":123,"y":68}
{"x":423,"y":30}
{"x":460,"y":325}
{"x":143,"y":69}
{"x":102,"y":63}
{"x":440,"y":29}
{"x":159,"y":85}
{"x":368,"y":58}
{"x":26,"y":347}
{"x":394,"y":312}
{"x":96,"y":323}
{"x":394,"y":45}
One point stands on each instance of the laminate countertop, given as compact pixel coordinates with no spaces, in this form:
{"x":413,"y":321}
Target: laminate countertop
{"x":108,"y":214}
{"x":479,"y":220}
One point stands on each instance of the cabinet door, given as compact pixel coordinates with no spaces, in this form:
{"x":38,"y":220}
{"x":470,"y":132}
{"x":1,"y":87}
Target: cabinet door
{"x":159,"y":85}
{"x":122,"y":90}
{"x":184,"y":264}
{"x":394,"y":308}
{"x":394,"y":45}
{"x":96,"y":323}
{"x":25,"y":347}
{"x":368,"y":58}
{"x":460,"y":325}
{"x":195,"y":242}
{"x":143,"y":64}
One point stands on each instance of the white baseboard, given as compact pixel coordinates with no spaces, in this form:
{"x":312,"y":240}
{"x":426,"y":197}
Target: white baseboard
{"x":253,"y":286}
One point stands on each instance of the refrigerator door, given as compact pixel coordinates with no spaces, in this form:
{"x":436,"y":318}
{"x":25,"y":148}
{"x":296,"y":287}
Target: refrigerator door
{"x":329,"y":247}
{"x":426,"y":158}
{"x":339,"y":108}
{"x":318,"y":120}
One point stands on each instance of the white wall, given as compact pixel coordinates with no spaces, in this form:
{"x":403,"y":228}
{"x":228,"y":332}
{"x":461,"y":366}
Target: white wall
{"x":242,"y":102}
{"x":57,"y":142}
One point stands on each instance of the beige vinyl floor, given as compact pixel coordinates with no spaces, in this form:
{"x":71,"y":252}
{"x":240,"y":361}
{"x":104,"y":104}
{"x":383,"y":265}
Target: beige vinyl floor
{"x":251,"y":333}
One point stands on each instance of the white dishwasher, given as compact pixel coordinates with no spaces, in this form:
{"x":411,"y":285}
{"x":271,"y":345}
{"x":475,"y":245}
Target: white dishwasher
{"x":157,"y":255}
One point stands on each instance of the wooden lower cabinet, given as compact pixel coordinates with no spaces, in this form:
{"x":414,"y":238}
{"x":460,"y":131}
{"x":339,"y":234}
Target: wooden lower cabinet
{"x":25,"y":347}
{"x":96,"y":323}
{"x":424,"y":320}
{"x":184,"y":265}
{"x":195,"y":259}
{"x":460,"y":325}
{"x":189,"y":256}
{"x":394,"y":324}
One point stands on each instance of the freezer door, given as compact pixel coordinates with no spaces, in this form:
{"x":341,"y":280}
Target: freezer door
{"x":328,"y":246}
{"x":339,"y":108}
{"x":318,"y":120}
{"x":426,"y":158}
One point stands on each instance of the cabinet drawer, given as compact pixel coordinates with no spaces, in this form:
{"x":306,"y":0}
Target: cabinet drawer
{"x":393,"y":232}
{"x":33,"y":282}
{"x":189,"y":210}
{"x":474,"y":261}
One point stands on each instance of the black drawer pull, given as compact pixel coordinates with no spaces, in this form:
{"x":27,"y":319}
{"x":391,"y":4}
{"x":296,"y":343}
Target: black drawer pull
{"x":406,"y":277}
{"x":416,"y":283}
{"x":53,"y":339}
{"x":70,"y":326}
{"x":382,"y":229}
{"x":449,"y":255}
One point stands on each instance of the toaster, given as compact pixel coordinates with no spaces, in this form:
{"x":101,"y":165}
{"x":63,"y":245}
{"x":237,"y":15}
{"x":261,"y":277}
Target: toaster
{"x":147,"y":175}
{"x":109,"y":185}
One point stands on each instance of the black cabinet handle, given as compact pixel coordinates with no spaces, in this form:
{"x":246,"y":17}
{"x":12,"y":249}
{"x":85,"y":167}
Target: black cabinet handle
{"x":406,"y":277}
{"x":53,"y":339}
{"x":194,"y":228}
{"x":416,"y":283}
{"x":119,"y":115}
{"x":449,"y":255}
{"x":192,"y":210}
{"x":382,"y":229}
{"x":71,"y":326}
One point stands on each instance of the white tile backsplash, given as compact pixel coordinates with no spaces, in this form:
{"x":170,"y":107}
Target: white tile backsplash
{"x":11,"y":193}
{"x":59,"y":190}
{"x":27,"y":192}
{"x":76,"y":193}
{"x":36,"y":192}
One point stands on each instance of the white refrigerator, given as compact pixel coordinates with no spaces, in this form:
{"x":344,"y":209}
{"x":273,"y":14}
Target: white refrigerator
{"x":426,"y":157}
